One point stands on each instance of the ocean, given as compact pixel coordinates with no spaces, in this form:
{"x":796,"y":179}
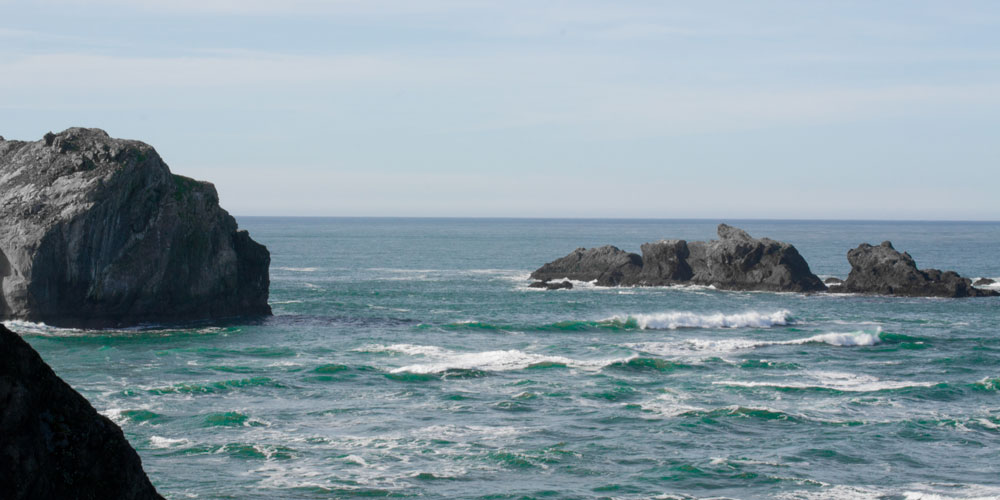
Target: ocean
{"x":408,"y":358}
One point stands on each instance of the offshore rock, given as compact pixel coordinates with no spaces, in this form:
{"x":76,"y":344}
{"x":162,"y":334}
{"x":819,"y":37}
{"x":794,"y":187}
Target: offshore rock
{"x":607,"y":265}
{"x":984,"y":282}
{"x":736,"y":262}
{"x":549,"y":285}
{"x":53,"y":443}
{"x":97,"y":232}
{"x":883,"y":270}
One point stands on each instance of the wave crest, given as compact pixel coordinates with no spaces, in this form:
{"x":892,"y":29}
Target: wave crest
{"x":685,"y":319}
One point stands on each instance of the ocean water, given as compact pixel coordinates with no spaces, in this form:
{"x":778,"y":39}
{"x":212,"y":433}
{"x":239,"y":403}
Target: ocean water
{"x":407,"y":358}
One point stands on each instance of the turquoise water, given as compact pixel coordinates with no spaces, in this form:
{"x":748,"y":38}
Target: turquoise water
{"x":407,"y":358}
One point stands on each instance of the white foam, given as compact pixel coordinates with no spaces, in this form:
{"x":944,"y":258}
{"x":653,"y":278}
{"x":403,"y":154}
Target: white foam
{"x":859,"y":338}
{"x":993,"y":286}
{"x":688,"y":347}
{"x":684,"y":319}
{"x":841,"y":381}
{"x":508,"y":360}
{"x":299,"y":269}
{"x":408,"y":349}
{"x":162,"y":442}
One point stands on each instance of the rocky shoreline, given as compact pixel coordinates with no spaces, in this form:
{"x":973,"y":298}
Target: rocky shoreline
{"x":737,"y":261}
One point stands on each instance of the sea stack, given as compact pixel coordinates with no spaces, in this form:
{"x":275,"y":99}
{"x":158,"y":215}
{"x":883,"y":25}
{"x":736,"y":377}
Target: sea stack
{"x":883,"y":270}
{"x":96,"y":232}
{"x":53,"y":443}
{"x":736,"y":261}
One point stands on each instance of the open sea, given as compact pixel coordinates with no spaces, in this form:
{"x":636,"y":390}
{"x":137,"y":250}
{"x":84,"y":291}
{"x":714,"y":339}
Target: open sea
{"x":408,"y":359}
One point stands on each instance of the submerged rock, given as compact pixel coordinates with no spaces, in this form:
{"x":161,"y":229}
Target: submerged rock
{"x":549,"y":285}
{"x":984,"y":282}
{"x":53,"y":443}
{"x":885,"y":271}
{"x":833,"y":281}
{"x":736,"y":261}
{"x":96,"y":232}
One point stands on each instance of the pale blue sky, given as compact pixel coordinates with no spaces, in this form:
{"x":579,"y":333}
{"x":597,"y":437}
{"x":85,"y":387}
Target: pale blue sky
{"x":731,"y":109}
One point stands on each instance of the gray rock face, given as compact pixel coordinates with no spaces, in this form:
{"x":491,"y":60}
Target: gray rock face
{"x":608,"y":265}
{"x":883,"y":270}
{"x":53,"y":444}
{"x":736,"y":261}
{"x":96,"y":232}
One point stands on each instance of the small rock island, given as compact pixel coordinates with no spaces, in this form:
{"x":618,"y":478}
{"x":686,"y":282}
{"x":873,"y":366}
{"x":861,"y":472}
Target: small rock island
{"x":883,"y":270}
{"x":97,"y":232}
{"x":735,"y":261}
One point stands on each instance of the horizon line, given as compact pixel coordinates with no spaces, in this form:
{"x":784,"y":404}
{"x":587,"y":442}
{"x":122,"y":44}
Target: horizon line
{"x":699,"y":219}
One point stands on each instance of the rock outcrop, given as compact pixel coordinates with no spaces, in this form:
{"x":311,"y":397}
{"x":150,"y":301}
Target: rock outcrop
{"x":984,"y":282}
{"x":735,"y":261}
{"x":607,"y":265}
{"x":53,"y":444}
{"x":97,"y":232}
{"x":883,"y":270}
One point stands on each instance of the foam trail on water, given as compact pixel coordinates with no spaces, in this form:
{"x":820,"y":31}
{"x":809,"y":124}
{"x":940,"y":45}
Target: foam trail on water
{"x":851,"y":339}
{"x":685,"y":319}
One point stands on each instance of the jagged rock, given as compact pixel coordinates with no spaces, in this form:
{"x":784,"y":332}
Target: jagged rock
{"x":833,"y":282}
{"x":984,"y":282}
{"x":96,"y":231}
{"x":53,"y":444}
{"x":885,"y":271}
{"x":550,"y":285}
{"x":736,"y":261}
{"x":607,"y":265}
{"x":664,"y":263}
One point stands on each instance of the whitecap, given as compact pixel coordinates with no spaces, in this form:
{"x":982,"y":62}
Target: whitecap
{"x":507,"y":360}
{"x":162,"y":442}
{"x":840,"y":381}
{"x":685,"y":319}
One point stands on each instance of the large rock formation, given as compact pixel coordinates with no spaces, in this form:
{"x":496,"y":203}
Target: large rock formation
{"x":885,"y":271}
{"x":735,"y":261}
{"x":96,"y":231}
{"x":53,"y":444}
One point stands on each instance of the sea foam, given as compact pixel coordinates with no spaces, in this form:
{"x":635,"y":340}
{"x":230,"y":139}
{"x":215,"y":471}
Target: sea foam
{"x":684,"y":319}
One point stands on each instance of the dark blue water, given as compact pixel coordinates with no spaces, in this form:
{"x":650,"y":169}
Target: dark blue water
{"x":407,"y":358}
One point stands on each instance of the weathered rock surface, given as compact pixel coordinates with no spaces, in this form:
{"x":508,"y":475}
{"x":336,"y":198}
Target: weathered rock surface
{"x":53,"y":444}
{"x":735,"y":261}
{"x":96,"y":231}
{"x":984,"y":282}
{"x":607,"y":265}
{"x":883,"y":270}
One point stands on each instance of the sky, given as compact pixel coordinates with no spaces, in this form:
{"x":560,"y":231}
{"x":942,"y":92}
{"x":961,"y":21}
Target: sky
{"x":645,"y":109}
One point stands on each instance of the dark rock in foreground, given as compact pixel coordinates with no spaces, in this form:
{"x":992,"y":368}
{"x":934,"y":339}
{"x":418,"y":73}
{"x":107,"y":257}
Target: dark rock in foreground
{"x":883,"y":270}
{"x":96,"y":231}
{"x":735,"y":261}
{"x":984,"y":282}
{"x":53,"y":444}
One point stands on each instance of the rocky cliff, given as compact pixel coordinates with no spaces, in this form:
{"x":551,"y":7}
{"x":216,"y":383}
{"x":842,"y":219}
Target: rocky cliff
{"x":883,"y":270}
{"x":53,"y":444}
{"x":735,"y":261}
{"x":96,"y":231}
